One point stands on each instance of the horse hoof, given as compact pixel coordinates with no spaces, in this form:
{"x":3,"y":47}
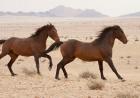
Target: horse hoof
{"x":14,"y":74}
{"x":103,"y":78}
{"x":50,"y":68}
{"x":66,"y":77}
{"x":123,"y":80}
{"x":39,"y":74}
{"x":120,"y":78}
{"x":57,"y":78}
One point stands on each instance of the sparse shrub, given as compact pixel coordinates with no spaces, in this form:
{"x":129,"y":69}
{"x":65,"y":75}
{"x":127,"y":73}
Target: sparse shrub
{"x":127,"y":95}
{"x":37,"y":97}
{"x":89,"y":96}
{"x":136,"y":67}
{"x":88,"y":74}
{"x":20,"y":60}
{"x":128,"y":57}
{"x":90,"y":37}
{"x":28,"y":72}
{"x":136,"y":39}
{"x":128,"y":62}
{"x":86,"y":38}
{"x":65,"y":37}
{"x":95,"y":84}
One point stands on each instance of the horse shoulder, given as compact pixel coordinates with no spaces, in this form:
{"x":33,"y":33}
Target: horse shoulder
{"x":105,"y":51}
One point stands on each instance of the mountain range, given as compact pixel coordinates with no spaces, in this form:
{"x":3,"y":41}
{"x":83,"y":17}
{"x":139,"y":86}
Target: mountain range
{"x":59,"y":11}
{"x":62,"y":11}
{"x":136,"y":14}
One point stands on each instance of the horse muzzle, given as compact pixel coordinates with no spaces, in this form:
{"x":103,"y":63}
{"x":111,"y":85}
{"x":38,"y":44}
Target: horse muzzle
{"x":125,"y":42}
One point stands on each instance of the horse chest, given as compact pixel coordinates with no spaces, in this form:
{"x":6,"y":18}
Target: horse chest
{"x":106,"y":52}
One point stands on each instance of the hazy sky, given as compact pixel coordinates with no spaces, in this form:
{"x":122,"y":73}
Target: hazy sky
{"x":109,"y":7}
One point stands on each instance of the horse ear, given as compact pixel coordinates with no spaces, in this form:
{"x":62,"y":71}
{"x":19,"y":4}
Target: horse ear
{"x":50,"y":24}
{"x":116,"y":26}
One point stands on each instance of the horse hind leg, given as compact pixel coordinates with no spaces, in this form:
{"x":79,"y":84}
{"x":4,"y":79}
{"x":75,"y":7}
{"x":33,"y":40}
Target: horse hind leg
{"x":3,"y":54}
{"x":101,"y":70}
{"x":13,"y":58}
{"x":61,"y":65}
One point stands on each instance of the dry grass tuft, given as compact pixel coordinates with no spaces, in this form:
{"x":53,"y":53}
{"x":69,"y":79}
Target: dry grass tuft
{"x":20,"y":60}
{"x":128,"y":57}
{"x":136,"y":39}
{"x":89,"y":96}
{"x":28,"y":72}
{"x":90,"y":37}
{"x":88,"y":74}
{"x":126,"y":95}
{"x":136,"y":67}
{"x":95,"y":84}
{"x":37,"y":97}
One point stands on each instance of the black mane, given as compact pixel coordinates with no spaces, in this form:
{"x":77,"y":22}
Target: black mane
{"x":39,"y":30}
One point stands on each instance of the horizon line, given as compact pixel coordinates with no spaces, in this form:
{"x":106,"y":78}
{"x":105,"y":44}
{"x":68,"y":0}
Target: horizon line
{"x":33,"y":11}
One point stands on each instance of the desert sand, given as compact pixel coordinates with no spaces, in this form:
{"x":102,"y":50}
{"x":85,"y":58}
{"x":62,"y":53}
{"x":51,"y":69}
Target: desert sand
{"x":27,"y":84}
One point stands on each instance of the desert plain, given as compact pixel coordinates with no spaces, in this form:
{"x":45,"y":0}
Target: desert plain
{"x":28,"y":84}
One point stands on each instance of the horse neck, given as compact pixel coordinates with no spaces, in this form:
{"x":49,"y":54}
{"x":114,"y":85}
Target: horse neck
{"x":108,"y":40}
{"x":42,"y":37}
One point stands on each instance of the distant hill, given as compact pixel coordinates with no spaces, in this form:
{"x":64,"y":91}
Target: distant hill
{"x":46,"y":14}
{"x":59,"y":11}
{"x":137,"y":14}
{"x":91,"y":13}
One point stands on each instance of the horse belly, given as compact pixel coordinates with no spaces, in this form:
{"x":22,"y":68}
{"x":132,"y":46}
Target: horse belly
{"x":23,"y":49}
{"x":90,"y":58}
{"x":89,"y":55}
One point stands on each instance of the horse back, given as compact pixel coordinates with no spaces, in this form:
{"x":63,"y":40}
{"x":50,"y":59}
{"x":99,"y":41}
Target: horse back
{"x":82,"y":50}
{"x":23,"y":46}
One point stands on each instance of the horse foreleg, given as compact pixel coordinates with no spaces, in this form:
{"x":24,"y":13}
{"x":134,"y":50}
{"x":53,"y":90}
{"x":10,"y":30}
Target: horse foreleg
{"x":50,"y":60}
{"x":13,"y":58}
{"x":110,"y":63}
{"x":101,"y":70}
{"x":37,"y":64}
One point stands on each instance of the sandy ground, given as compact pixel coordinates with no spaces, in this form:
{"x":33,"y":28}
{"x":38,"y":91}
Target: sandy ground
{"x":27,"y":84}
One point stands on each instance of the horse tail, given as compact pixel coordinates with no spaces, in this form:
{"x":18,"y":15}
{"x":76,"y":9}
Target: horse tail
{"x":2,"y":41}
{"x":54,"y":46}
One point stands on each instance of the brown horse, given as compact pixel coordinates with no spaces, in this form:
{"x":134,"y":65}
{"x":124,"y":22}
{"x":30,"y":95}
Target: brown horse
{"x":98,"y":50}
{"x":31,"y":46}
